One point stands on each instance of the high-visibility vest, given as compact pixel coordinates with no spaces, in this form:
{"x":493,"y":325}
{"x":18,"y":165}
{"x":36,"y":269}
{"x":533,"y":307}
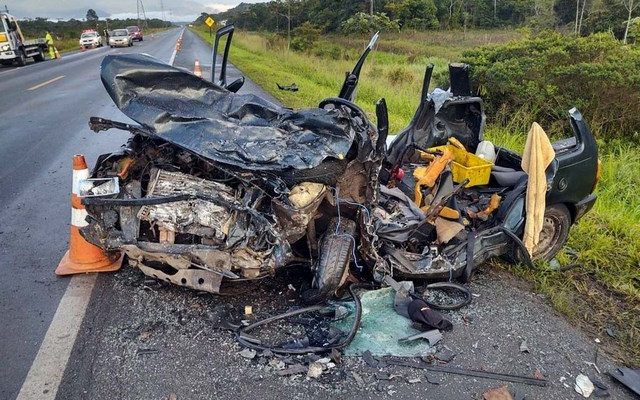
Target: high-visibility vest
{"x":48,"y":38}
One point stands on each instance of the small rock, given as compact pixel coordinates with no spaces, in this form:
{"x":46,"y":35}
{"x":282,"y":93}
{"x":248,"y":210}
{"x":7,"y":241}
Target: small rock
{"x":341,"y":311}
{"x":538,"y":375}
{"x":336,"y":356}
{"x":523,"y":347}
{"x":596,"y":340}
{"x":414,"y":380}
{"x":277,"y":364}
{"x":584,"y":386}
{"x":445,"y":355}
{"x":292,"y":370}
{"x":248,"y":310}
{"x":554,"y":264}
{"x":357,"y":378}
{"x":315,"y":370}
{"x":325,"y":360}
{"x":499,"y":393}
{"x":267,"y":353}
{"x":611,"y":332}
{"x":331,"y":365}
{"x":248,"y":353}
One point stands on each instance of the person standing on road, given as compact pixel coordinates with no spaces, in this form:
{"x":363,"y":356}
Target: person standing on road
{"x":49,"y":40}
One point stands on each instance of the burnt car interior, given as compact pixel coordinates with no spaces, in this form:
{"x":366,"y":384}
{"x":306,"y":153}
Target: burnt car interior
{"x":218,"y":186}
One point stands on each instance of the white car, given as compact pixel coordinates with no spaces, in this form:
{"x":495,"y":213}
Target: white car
{"x":90,"y":39}
{"x":120,"y":38}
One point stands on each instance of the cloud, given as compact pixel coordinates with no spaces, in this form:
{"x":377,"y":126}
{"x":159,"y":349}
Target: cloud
{"x":176,"y":10}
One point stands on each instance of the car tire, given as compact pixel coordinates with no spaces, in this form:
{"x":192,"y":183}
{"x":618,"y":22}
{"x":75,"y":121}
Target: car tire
{"x":22,"y":59}
{"x":40,"y":56}
{"x":555,"y":232}
{"x":333,"y":262}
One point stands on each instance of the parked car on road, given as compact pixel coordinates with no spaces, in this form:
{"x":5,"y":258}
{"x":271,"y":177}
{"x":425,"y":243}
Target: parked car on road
{"x":90,"y":39}
{"x":135,"y":32}
{"x":120,"y":38}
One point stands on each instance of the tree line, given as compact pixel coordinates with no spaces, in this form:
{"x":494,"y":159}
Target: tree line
{"x":580,"y":17}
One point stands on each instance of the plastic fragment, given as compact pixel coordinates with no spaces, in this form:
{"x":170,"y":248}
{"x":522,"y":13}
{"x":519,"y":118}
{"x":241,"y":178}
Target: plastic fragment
{"x":584,"y":386}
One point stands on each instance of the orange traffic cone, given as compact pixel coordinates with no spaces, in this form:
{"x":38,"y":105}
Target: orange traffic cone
{"x":83,"y":256}
{"x":197,"y":71}
{"x":57,"y":54}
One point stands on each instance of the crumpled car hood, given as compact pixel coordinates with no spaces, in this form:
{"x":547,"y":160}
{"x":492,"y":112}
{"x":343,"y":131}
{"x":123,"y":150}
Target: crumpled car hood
{"x":236,"y":129}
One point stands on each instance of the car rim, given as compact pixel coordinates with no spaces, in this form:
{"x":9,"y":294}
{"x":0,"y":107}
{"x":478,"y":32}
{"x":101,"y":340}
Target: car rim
{"x":548,"y":236}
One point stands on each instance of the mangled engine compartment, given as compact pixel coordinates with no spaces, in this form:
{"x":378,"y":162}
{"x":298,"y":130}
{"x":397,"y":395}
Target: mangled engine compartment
{"x":183,"y":220}
{"x":217,"y":186}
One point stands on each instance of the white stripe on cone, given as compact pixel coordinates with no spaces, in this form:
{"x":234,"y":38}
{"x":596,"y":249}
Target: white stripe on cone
{"x":78,"y":175}
{"x":79,"y":217}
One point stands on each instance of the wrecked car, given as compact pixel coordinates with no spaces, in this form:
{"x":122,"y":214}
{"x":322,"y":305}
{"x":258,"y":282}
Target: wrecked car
{"x":218,"y":186}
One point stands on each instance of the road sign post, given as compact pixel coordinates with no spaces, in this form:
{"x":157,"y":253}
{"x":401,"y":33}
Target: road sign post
{"x":210,"y":22}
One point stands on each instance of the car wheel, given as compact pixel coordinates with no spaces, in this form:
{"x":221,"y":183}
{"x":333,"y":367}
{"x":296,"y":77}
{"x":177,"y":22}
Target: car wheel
{"x":333,"y":263}
{"x":22,"y":58}
{"x":555,"y":232}
{"x":40,"y":56}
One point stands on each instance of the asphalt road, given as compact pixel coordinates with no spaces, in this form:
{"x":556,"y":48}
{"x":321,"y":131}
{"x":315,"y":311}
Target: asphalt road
{"x":142,"y":339}
{"x":41,"y":127}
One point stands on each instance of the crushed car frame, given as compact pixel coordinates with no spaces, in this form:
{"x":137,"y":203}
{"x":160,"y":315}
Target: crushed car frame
{"x":215,"y":185}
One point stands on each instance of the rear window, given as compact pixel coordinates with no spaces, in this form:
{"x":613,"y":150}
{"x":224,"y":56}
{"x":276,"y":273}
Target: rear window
{"x":133,"y":28}
{"x":120,"y":32}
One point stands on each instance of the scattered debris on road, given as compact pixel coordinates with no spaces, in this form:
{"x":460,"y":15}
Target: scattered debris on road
{"x":291,"y":88}
{"x":216,"y":188}
{"x":584,"y":386}
{"x":501,"y":393}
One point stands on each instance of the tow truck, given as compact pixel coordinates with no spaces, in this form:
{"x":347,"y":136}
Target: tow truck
{"x":13,"y":45}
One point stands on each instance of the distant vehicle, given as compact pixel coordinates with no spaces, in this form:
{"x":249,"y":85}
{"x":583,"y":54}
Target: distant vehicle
{"x":135,"y":32}
{"x":120,"y":38}
{"x":14,"y":47}
{"x":90,"y":39}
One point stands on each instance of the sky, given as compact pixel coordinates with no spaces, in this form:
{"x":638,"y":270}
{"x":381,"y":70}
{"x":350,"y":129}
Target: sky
{"x":175,"y":10}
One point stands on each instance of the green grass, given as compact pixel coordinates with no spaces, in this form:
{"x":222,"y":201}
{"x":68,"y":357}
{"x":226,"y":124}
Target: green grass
{"x":605,"y":289}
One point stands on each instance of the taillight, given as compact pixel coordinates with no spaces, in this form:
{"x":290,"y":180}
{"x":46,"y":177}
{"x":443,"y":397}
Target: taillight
{"x":598,"y":175}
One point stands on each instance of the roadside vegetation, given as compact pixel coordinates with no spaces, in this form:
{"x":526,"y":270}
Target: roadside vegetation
{"x":602,"y":290}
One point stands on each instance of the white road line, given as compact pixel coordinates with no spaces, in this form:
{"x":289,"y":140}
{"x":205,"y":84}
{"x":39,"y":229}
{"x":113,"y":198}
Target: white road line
{"x":46,"y":372}
{"x":175,"y":49}
{"x":38,"y":86}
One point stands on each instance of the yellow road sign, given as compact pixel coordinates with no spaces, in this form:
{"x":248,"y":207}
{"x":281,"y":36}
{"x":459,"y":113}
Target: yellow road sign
{"x":209,"y":21}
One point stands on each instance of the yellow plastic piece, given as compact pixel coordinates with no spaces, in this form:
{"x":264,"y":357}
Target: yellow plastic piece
{"x":467,"y":165}
{"x":427,"y":176}
{"x":449,"y":213}
{"x":456,"y":143}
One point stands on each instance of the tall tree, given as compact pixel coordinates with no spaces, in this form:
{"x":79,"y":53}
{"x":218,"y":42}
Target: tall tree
{"x":92,"y":15}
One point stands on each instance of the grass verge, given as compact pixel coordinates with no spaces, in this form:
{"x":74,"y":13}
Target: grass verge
{"x":604,"y":290}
